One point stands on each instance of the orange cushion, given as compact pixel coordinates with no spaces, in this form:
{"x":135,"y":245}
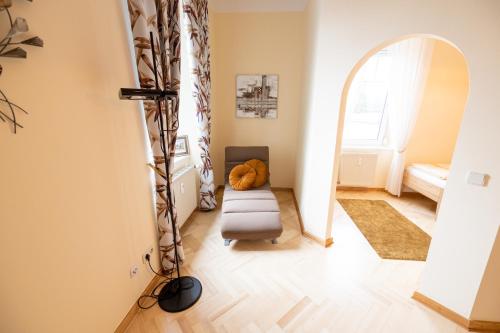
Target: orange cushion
{"x":242,"y":177}
{"x":261,"y":170}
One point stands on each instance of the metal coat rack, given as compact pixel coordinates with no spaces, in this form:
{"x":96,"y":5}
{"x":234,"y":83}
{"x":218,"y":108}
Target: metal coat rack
{"x":181,"y":292}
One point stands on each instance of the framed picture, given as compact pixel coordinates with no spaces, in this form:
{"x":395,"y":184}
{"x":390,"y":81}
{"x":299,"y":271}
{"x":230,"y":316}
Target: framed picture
{"x":257,"y":96}
{"x":182,"y":145}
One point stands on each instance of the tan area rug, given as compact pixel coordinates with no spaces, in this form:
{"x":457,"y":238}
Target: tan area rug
{"x":391,"y":234}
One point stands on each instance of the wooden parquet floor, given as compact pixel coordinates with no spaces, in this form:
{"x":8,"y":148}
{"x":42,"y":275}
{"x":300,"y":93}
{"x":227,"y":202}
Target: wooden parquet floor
{"x":297,"y":285}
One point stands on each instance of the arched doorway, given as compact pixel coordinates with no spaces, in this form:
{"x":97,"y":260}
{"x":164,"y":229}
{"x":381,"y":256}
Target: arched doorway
{"x":423,"y":145}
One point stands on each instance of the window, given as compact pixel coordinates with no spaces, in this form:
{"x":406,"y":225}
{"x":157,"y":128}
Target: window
{"x":188,"y":124}
{"x":365,"y":121}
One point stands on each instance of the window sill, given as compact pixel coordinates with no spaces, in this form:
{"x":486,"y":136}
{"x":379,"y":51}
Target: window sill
{"x":366,"y":148}
{"x":181,"y":162}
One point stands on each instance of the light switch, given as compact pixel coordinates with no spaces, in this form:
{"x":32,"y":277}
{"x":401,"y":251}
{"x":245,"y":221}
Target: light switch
{"x":182,"y":188}
{"x":476,"y":178}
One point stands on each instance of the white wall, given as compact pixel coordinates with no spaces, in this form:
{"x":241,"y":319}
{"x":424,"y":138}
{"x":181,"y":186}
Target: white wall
{"x":346,"y":31}
{"x":488,"y":297}
{"x":306,"y":182}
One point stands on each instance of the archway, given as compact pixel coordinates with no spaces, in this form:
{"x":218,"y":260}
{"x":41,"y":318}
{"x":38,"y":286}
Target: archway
{"x":344,"y":104}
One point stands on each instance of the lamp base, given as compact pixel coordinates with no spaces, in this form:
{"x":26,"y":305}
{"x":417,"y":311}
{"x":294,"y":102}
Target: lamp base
{"x":180,"y":294}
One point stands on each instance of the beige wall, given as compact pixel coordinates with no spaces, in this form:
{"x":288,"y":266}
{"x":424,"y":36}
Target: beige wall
{"x":465,"y":233}
{"x":75,"y":203}
{"x":257,"y":43}
{"x":443,"y":103}
{"x":75,"y":197}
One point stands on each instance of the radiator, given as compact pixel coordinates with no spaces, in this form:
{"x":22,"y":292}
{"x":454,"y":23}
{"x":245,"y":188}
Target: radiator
{"x":358,"y":169}
{"x":185,"y":187}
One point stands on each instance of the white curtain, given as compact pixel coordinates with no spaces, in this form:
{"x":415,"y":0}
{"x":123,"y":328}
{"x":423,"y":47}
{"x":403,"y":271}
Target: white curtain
{"x":410,"y":67}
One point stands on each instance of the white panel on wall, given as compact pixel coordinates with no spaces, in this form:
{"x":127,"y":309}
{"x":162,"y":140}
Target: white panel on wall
{"x":358,"y":169}
{"x":185,"y":190}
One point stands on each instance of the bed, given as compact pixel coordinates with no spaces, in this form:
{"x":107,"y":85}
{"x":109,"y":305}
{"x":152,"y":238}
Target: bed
{"x":427,"y":179}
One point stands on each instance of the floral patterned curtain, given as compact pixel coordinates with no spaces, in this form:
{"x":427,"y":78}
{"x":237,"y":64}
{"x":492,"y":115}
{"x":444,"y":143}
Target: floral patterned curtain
{"x":162,"y":18}
{"x":196,"y":21}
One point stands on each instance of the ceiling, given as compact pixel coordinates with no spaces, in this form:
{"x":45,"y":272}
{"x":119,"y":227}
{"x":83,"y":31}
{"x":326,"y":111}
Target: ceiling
{"x":258,"y":5}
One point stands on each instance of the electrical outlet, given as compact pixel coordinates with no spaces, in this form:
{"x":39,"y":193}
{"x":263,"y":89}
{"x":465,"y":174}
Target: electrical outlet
{"x":148,"y":251}
{"x":133,"y":271}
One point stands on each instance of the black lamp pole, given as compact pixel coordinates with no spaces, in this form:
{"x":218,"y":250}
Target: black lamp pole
{"x":181,"y":292}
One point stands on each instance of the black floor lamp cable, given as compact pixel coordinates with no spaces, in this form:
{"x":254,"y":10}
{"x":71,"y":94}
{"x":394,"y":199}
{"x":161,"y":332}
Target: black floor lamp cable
{"x":182,"y":292}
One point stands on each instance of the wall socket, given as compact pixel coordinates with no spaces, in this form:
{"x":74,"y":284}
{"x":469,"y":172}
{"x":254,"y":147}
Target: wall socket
{"x":148,"y":251}
{"x":133,"y":271}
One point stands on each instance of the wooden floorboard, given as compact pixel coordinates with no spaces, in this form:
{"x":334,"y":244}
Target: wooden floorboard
{"x":298,"y":285}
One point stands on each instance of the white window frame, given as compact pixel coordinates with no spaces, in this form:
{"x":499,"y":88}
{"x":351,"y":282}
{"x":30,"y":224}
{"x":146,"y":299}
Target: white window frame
{"x":382,"y":137}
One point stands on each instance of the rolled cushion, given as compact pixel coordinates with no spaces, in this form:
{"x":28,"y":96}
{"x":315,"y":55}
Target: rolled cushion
{"x":261,"y":170}
{"x":242,"y":177}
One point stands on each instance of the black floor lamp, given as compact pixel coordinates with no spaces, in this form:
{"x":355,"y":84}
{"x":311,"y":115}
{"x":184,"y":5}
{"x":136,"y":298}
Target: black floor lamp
{"x":181,"y":292}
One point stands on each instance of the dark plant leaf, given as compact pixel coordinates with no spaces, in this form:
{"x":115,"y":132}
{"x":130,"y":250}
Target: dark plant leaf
{"x":5,"y":3}
{"x":20,"y":25}
{"x":14,"y":53}
{"x":142,"y":43}
{"x":35,"y":41}
{"x":152,"y":21}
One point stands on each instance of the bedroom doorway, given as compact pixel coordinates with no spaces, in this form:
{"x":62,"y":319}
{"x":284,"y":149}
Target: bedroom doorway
{"x":391,"y":166}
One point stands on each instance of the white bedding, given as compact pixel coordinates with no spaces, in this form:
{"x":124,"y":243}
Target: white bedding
{"x":438,"y":170}
{"x":432,"y":174}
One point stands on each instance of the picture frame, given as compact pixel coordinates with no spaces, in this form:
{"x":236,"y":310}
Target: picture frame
{"x":182,"y":145}
{"x":257,"y":96}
